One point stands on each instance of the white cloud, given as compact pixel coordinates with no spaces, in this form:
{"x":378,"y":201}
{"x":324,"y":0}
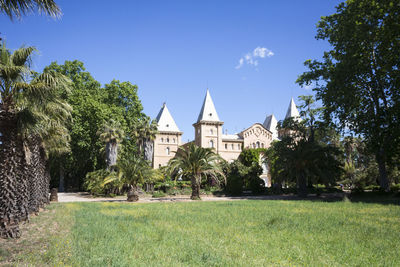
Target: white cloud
{"x":252,"y":57}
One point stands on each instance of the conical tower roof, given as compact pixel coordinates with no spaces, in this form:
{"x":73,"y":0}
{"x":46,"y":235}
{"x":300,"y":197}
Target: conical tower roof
{"x":292,"y":111}
{"x":270,"y":124}
{"x":208,"y":111}
{"x":165,"y":121}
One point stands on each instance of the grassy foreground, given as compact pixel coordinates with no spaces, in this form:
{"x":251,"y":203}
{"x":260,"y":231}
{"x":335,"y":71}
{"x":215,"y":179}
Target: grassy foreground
{"x":231,"y":233}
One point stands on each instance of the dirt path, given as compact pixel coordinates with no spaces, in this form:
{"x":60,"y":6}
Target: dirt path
{"x":86,"y":197}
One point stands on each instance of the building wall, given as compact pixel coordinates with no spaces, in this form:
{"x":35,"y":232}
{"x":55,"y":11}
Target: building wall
{"x":165,"y":142}
{"x":205,"y":132}
{"x":257,"y":136}
{"x":231,"y":149}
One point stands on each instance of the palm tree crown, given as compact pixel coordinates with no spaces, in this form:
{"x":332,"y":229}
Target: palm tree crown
{"x":18,"y":8}
{"x":196,"y":162}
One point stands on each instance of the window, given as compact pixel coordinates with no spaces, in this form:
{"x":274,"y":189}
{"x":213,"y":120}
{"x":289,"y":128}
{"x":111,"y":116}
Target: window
{"x":258,"y":144}
{"x":239,"y":147}
{"x":162,"y":140}
{"x":254,"y":145}
{"x":226,"y":146}
{"x":159,"y":165}
{"x":167,"y":139}
{"x":211,"y":131}
{"x":167,"y":150}
{"x":262,"y":145}
{"x":211,"y":143}
{"x":233,"y":148}
{"x":173,"y":140}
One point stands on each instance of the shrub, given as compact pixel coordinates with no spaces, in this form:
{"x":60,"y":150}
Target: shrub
{"x":159,"y":194}
{"x":94,"y":182}
{"x":256,"y":185}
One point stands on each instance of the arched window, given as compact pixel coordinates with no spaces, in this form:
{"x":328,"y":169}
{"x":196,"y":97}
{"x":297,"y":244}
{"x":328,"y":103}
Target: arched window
{"x":167,"y":139}
{"x":211,"y":143}
{"x":226,"y":146}
{"x":262,"y":145}
{"x":254,"y":145}
{"x":162,"y":140}
{"x":167,"y":150}
{"x":159,"y":165}
{"x":258,"y":144}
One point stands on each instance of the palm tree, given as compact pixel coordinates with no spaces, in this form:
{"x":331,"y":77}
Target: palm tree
{"x":25,"y":100}
{"x":130,"y":171}
{"x":18,"y":8}
{"x":196,"y":162}
{"x":111,"y":134}
{"x":145,"y":132}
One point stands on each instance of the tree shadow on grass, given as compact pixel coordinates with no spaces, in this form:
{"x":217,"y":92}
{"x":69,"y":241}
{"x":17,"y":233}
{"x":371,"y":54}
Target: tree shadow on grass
{"x":365,"y":197}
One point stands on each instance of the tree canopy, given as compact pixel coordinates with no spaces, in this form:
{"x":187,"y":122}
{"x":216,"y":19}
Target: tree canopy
{"x":358,"y":80}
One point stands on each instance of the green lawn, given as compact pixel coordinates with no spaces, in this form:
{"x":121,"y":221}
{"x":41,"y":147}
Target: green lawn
{"x":229,"y":233}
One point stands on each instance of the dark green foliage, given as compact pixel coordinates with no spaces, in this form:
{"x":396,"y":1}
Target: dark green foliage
{"x":358,"y":80}
{"x":93,"y":105}
{"x":249,"y":156}
{"x":306,"y":155}
{"x":234,"y":181}
{"x":240,"y":176}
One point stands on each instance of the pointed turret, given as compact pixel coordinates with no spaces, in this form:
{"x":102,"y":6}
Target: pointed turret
{"x":165,"y":121}
{"x":292,"y":111}
{"x":270,"y":124}
{"x":208,"y":111}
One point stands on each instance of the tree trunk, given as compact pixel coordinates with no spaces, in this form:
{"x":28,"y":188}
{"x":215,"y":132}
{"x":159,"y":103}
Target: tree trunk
{"x":383,"y":178}
{"x":148,"y":150}
{"x":32,"y":154}
{"x":133,"y":195}
{"x":13,"y":183}
{"x":62,"y":178}
{"x":111,"y":154}
{"x":195,"y":189}
{"x":301,"y":185}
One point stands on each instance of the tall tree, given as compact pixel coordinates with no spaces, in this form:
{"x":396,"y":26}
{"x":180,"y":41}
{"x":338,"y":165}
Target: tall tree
{"x":26,"y":100}
{"x":196,"y":162}
{"x":358,"y":80}
{"x":19,"y":8}
{"x":111,"y":135}
{"x":93,"y":105}
{"x":145,"y":132}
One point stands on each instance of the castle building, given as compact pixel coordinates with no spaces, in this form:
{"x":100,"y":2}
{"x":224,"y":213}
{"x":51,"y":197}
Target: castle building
{"x":208,"y":133}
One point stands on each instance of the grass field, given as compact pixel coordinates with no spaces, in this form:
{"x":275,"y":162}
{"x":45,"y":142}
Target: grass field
{"x":231,"y":233}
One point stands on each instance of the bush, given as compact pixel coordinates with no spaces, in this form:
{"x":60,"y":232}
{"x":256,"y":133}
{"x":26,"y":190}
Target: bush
{"x":159,"y":194}
{"x":257,"y":185}
{"x":94,"y":182}
{"x":234,"y":184}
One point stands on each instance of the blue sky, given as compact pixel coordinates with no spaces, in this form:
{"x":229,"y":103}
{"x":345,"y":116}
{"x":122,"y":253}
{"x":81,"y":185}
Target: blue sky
{"x":173,"y":50}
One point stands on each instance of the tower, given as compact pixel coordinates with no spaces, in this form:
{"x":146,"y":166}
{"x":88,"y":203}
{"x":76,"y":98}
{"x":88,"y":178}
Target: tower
{"x":167,"y":140}
{"x":208,"y":128}
{"x":270,"y":124}
{"x":292,"y":112}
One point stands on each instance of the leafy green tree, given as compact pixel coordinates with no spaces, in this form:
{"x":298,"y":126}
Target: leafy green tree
{"x":94,"y":105}
{"x":197,"y":163}
{"x":358,"y":80}
{"x":302,"y":158}
{"x":18,"y":8}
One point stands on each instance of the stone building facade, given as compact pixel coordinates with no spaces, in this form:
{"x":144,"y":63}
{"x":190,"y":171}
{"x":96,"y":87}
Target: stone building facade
{"x":208,"y":133}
